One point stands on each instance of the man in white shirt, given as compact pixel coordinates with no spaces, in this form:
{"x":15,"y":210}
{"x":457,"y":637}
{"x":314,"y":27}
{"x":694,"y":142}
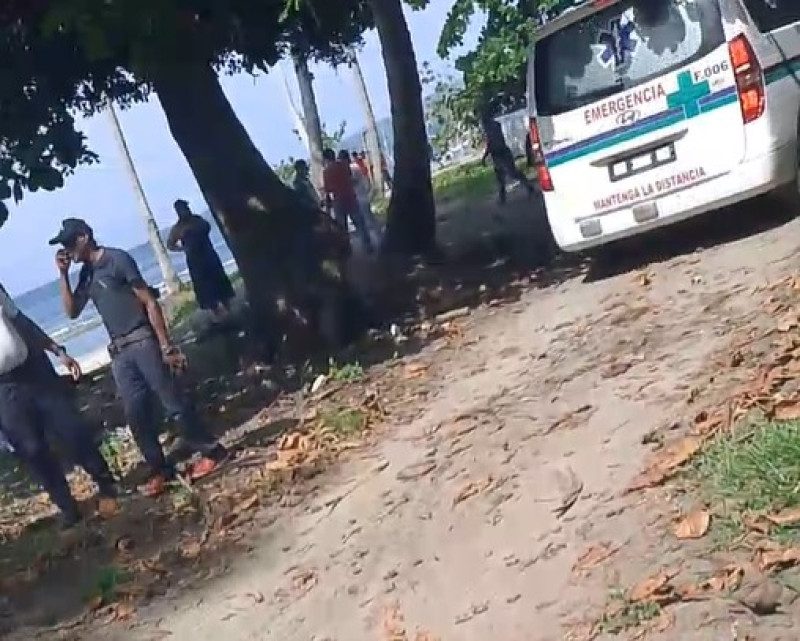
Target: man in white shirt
{"x":34,"y":403}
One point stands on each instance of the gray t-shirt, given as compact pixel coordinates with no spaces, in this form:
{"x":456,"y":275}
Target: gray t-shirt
{"x":109,"y":285}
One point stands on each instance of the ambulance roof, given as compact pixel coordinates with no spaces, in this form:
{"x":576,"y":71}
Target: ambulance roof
{"x":572,"y":12}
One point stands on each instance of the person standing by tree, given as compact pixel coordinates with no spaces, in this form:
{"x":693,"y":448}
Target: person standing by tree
{"x":340,"y":197}
{"x":302,"y":184}
{"x":143,"y":359}
{"x":212,"y":287}
{"x":502,"y":158}
{"x":34,"y":403}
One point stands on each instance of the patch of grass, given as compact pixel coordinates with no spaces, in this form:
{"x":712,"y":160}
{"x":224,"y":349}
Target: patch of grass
{"x":754,"y":470}
{"x":622,"y":615}
{"x":346,"y":423}
{"x":468,"y":181}
{"x":345,"y":373}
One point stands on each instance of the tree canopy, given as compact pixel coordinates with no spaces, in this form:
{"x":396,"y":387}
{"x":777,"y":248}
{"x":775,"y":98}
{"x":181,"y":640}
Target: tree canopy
{"x":69,"y":57}
{"x":494,"y":72}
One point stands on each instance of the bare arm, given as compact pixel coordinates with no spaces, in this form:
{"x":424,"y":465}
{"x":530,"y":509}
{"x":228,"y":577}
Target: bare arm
{"x":154,"y":313}
{"x":174,"y":238}
{"x":74,"y":301}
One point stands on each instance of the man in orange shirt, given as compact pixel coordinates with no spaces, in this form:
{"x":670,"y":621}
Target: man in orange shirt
{"x":340,"y":196}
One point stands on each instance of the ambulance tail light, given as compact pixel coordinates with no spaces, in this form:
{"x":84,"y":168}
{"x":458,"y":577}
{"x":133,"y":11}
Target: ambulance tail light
{"x":537,"y":157}
{"x":749,"y":78}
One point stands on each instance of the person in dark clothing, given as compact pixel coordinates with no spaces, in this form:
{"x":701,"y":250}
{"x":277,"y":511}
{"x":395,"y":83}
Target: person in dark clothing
{"x":502,"y":158}
{"x":35,"y":404}
{"x":302,"y":184}
{"x":143,"y":359}
{"x":212,"y":287}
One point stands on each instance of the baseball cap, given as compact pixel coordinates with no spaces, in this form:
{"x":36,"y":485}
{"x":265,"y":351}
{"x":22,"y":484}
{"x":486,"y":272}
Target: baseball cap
{"x":71,"y":228}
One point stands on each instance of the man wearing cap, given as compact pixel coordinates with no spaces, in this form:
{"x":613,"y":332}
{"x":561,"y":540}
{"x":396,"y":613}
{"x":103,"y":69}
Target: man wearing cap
{"x":34,"y":402}
{"x":142,"y":355}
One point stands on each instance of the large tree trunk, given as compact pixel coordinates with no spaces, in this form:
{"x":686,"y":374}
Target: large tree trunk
{"x":374,"y":151}
{"x":287,"y":254}
{"x":171,"y":281}
{"x":411,"y":226}
{"x":311,"y":119}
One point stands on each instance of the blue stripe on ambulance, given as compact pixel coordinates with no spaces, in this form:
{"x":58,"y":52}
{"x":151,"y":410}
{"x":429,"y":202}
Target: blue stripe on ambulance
{"x":663,"y":119}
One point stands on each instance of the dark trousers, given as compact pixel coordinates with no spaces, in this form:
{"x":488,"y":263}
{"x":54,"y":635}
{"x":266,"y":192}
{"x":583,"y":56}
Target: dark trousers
{"x":28,"y":411}
{"x":141,"y":376}
{"x":343,"y":212}
{"x":504,"y":169}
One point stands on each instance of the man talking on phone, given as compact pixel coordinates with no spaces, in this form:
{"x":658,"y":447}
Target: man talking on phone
{"x":143,"y":358}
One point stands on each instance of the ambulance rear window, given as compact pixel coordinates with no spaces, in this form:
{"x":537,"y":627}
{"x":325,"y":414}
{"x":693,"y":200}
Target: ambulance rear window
{"x":618,"y":48}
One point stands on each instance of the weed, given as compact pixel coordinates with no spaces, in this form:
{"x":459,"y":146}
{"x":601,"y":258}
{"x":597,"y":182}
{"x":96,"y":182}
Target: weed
{"x":346,"y":373}
{"x":622,"y":615}
{"x":345,"y":423}
{"x":752,"y":470}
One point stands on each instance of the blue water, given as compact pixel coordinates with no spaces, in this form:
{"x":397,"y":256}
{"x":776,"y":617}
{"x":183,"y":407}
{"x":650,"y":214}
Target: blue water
{"x":86,"y":335}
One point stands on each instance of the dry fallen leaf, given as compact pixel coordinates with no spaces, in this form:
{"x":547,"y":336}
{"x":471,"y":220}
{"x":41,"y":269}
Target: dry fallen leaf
{"x":774,"y":558}
{"x":415,"y":370}
{"x":786,"y":517}
{"x":694,"y":525}
{"x":666,"y":463}
{"x":726,"y":579}
{"x":594,"y":556}
{"x":787,"y":410}
{"x":656,"y":589}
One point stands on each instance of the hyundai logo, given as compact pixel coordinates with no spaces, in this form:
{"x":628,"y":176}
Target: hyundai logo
{"x":627,"y":118}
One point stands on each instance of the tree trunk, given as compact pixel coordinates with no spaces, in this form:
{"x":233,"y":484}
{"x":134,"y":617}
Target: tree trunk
{"x":172,"y":283}
{"x":311,"y":119}
{"x":411,"y":226}
{"x":374,"y":151}
{"x":287,"y":253}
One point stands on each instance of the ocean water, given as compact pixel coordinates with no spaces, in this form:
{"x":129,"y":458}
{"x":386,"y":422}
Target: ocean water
{"x":86,"y":335}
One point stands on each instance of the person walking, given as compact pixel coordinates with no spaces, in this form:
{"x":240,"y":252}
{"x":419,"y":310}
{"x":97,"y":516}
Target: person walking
{"x":505,"y":167}
{"x":341,"y":199}
{"x":143,"y":358}
{"x":35,"y":404}
{"x":212,"y":287}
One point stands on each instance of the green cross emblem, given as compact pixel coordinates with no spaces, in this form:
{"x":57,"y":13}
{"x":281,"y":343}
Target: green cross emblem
{"x":688,"y":94}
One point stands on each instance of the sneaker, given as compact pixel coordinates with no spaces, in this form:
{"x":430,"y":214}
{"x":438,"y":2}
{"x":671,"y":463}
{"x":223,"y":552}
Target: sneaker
{"x":155,"y":486}
{"x":202,"y":468}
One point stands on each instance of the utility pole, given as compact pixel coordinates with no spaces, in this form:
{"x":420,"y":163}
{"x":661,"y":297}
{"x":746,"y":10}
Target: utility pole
{"x":171,"y":281}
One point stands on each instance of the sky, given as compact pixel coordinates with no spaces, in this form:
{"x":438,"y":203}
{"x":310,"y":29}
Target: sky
{"x":102,"y":194}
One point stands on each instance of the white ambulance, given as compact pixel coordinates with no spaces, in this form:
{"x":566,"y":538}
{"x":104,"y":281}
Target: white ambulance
{"x":645,"y":112}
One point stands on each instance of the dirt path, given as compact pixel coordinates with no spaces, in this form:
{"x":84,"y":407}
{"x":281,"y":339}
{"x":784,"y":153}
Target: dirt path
{"x":466,"y":522}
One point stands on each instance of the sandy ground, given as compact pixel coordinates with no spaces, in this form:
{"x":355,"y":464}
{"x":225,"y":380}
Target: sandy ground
{"x":465,"y":518}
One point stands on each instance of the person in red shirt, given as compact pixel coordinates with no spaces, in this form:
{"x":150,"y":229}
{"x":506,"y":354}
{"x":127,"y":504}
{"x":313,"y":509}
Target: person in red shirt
{"x":340,"y":196}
